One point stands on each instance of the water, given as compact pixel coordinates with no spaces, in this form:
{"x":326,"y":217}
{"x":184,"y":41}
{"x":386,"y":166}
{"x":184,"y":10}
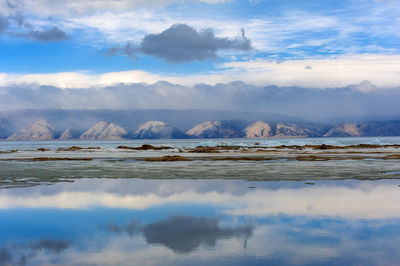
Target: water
{"x":191,"y":143}
{"x":119,"y":210}
{"x":200,"y":222}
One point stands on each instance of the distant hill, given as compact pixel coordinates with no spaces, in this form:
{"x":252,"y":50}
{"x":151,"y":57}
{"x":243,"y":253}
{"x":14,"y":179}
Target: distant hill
{"x":370,"y":129}
{"x":105,"y":131}
{"x":40,"y":130}
{"x":157,"y":130}
{"x":130,"y":120}
{"x":216,"y":129}
{"x":76,"y":124}
{"x":259,"y":129}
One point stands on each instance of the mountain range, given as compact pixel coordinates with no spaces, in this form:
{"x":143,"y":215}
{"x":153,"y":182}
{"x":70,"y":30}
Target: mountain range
{"x":103,"y":130}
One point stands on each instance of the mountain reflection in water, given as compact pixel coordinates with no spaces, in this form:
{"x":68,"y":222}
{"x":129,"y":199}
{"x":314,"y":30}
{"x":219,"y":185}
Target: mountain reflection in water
{"x":217,"y":222}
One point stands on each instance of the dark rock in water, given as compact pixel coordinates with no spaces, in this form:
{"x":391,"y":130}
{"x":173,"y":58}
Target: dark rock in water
{"x":76,"y":148}
{"x":241,"y":159}
{"x":39,"y":130}
{"x":393,"y":156}
{"x":312,"y":158}
{"x":42,"y":149}
{"x":217,"y":129}
{"x":167,"y":158}
{"x":45,"y":159}
{"x":6,"y":152}
{"x":73,"y":148}
{"x":104,"y":131}
{"x":157,"y":130}
{"x":201,"y":149}
{"x":144,"y":147}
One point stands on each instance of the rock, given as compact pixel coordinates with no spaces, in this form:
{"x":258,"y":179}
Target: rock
{"x":258,"y":129}
{"x":104,"y":131}
{"x":39,"y":130}
{"x":393,"y":156}
{"x":167,"y":158}
{"x":158,"y":130}
{"x":42,"y":149}
{"x":145,"y":147}
{"x":215,"y":129}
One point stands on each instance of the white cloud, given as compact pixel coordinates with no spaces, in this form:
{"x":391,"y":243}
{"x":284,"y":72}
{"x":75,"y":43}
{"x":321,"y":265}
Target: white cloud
{"x":46,"y":8}
{"x":381,"y":70}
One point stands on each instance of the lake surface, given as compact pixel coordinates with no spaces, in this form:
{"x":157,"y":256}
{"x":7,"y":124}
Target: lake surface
{"x":123,"y":211}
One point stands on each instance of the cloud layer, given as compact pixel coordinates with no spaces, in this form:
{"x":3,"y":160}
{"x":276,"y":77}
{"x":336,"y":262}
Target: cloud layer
{"x":339,"y":71}
{"x":354,"y":100}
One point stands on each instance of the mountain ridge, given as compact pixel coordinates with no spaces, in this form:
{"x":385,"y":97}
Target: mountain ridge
{"x":104,"y":130}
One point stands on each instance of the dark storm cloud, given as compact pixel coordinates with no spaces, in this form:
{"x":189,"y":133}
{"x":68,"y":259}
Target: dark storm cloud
{"x":3,"y":23}
{"x":53,"y":34}
{"x":181,"y":43}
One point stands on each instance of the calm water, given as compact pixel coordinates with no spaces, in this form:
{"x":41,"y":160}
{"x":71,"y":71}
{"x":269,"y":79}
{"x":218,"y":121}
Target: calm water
{"x":199,"y":222}
{"x":118,"y":219}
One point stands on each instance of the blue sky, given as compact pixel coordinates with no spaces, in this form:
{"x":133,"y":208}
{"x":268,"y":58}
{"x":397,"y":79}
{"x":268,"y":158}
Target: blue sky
{"x":73,"y":44}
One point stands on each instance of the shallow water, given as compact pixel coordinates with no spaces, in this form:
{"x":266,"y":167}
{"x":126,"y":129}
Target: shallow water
{"x":107,"y":161}
{"x":119,"y":210}
{"x":191,"y":143}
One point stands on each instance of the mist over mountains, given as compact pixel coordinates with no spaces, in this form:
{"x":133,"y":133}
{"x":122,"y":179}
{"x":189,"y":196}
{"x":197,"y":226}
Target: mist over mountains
{"x":363,"y":101}
{"x":81,"y":120}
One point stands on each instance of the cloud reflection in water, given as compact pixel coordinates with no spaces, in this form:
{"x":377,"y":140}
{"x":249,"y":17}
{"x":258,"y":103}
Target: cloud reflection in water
{"x":184,"y":234}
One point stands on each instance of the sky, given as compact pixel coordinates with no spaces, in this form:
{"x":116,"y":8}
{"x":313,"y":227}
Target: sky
{"x":99,"y":45}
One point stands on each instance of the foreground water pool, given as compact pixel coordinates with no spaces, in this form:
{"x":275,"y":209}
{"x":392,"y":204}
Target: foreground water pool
{"x":201,"y":222}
